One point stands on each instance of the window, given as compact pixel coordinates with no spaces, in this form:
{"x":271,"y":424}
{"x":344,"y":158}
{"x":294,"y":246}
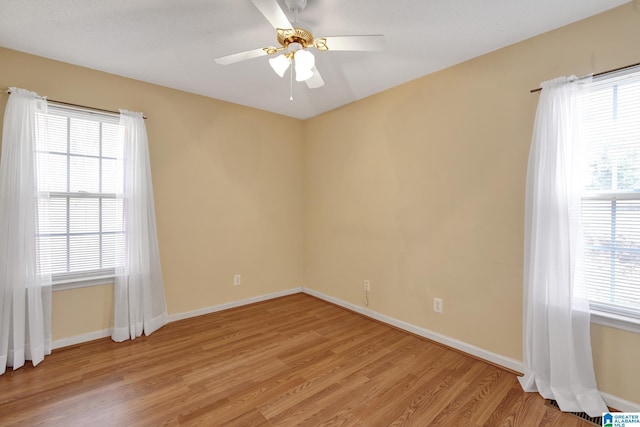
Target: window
{"x":611,"y":197}
{"x":79,"y":176}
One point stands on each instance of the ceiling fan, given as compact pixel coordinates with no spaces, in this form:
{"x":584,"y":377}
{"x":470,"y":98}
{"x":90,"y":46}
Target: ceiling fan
{"x":295,"y":42}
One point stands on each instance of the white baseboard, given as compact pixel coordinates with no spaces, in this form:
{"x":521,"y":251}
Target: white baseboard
{"x":78,"y":339}
{"x":512,"y":364}
{"x":233,"y":304}
{"x":497,"y":359}
{"x":620,"y":404}
{"x":515,"y":365}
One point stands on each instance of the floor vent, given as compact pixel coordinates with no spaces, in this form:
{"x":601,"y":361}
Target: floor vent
{"x":596,"y":421}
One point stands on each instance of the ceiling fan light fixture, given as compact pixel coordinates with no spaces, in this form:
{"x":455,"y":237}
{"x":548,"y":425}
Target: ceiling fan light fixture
{"x":293,"y":42}
{"x":280,"y":64}
{"x":304,"y":62}
{"x":305,"y":59}
{"x":303,"y":75}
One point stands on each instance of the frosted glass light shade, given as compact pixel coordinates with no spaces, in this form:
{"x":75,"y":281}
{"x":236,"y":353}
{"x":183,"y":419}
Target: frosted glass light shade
{"x":304,"y":74}
{"x":279,"y":64}
{"x":304,"y":62}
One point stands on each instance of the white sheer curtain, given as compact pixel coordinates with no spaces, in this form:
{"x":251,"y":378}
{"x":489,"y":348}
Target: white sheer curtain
{"x":25,"y":284}
{"x":139,"y":289}
{"x":557,"y":343}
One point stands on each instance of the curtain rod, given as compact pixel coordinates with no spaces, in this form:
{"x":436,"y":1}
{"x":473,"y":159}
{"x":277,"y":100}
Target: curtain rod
{"x":602,"y":73}
{"x":70,"y":104}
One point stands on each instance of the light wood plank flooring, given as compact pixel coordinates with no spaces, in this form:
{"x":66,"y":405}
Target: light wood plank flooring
{"x":291,"y":361}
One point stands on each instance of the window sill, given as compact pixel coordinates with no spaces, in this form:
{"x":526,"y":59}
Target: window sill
{"x":63,"y":285}
{"x":615,"y":321}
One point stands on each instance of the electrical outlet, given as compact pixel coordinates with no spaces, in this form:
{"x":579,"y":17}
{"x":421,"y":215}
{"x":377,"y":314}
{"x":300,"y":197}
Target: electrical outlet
{"x":367,"y":285}
{"x":437,"y":305}
{"x":237,"y":279}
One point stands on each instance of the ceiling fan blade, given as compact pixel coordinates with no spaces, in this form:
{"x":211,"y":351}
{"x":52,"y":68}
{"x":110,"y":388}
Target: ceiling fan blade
{"x":364,"y":43}
{"x":274,"y":13}
{"x":315,"y":81}
{"x":241,"y":56}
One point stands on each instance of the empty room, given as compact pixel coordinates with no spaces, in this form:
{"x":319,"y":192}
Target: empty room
{"x":320,"y":212}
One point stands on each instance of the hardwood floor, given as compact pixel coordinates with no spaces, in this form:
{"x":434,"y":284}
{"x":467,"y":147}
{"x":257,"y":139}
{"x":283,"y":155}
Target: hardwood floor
{"x":291,"y":361}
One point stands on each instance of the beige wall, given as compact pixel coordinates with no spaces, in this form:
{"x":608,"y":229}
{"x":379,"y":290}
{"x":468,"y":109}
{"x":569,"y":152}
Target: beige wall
{"x":420,"y":189}
{"x":227,"y":182}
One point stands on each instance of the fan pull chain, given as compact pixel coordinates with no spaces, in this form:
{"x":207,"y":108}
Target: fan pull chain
{"x":291,"y":80}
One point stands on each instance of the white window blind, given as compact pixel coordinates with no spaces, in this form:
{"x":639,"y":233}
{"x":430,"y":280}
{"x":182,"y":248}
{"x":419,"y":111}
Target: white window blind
{"x":611,"y":198}
{"x":79,"y":165}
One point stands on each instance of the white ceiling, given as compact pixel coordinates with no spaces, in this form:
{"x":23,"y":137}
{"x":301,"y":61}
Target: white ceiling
{"x":174,"y":42}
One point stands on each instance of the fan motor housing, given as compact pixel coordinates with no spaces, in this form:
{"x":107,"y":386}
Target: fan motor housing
{"x":298,"y":35}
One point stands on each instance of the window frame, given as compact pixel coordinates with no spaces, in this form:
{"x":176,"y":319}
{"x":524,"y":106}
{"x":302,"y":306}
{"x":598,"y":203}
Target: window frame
{"x":87,"y":278}
{"x":612,"y":315}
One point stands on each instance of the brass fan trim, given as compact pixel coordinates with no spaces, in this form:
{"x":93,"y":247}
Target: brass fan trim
{"x":321,"y":44}
{"x":295,"y":35}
